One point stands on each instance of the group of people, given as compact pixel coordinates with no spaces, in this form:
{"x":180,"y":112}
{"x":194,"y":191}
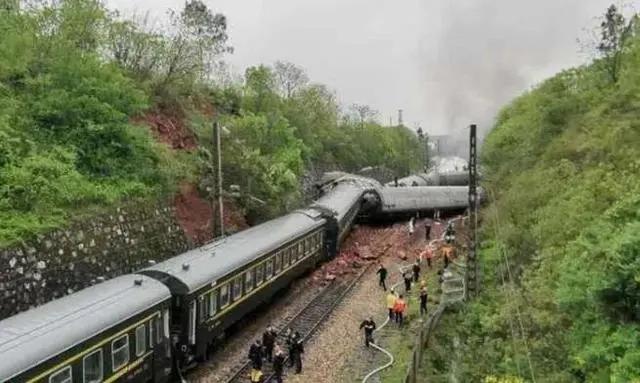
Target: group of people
{"x":397,"y":307}
{"x":269,"y":349}
{"x":408,"y":276}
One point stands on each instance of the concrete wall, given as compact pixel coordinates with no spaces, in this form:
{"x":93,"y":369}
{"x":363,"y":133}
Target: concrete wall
{"x":67,"y":260}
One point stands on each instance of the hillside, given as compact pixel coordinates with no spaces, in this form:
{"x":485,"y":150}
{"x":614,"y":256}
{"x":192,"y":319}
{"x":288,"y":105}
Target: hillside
{"x":561,"y":234}
{"x":96,"y":109}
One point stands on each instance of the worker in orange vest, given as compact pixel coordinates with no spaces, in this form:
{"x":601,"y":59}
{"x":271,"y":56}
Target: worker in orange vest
{"x":446,"y":252}
{"x":391,"y":304}
{"x":399,"y":308}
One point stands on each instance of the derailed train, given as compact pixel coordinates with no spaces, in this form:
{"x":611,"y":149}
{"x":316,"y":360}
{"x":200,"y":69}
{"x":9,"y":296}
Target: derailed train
{"x":148,"y":326}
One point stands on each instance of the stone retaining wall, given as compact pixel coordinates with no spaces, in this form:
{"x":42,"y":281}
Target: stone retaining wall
{"x":70,"y":259}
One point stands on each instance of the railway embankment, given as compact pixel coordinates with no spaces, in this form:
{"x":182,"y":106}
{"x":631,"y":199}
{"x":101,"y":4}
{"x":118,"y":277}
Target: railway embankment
{"x":101,"y":246}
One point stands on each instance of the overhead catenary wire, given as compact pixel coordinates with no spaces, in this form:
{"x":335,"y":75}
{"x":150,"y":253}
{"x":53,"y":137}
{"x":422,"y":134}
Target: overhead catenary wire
{"x":511,"y":289}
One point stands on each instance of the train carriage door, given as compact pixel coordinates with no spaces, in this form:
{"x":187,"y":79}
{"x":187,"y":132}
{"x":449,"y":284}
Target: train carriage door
{"x":192,"y":322}
{"x":160,"y":343}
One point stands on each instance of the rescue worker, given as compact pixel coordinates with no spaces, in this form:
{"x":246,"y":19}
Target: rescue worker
{"x":450,"y":233}
{"x":289,"y":336}
{"x":391,"y":302}
{"x":423,"y":300}
{"x":446,"y":252}
{"x":278,"y":363}
{"x":268,"y":340}
{"x":298,"y":350}
{"x":406,"y":276}
{"x":399,"y":309}
{"x":382,"y":272}
{"x":427,"y":254}
{"x":416,"y":271}
{"x":255,"y":356}
{"x":369,"y":325}
{"x":427,"y":231}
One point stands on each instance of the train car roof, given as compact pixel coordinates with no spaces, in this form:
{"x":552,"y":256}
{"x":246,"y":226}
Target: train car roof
{"x":192,"y":270}
{"x":420,"y":179}
{"x":340,"y":199}
{"x":396,"y":200}
{"x":34,"y":336}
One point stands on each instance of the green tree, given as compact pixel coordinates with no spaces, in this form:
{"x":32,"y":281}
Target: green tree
{"x":614,"y":35}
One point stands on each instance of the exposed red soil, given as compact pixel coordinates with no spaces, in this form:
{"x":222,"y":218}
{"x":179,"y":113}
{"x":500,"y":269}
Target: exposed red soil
{"x":194,"y":214}
{"x":370,"y":244}
{"x":169,"y":128}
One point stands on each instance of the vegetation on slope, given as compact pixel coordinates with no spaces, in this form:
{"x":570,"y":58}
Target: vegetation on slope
{"x":561,"y":250}
{"x":74,"y":77}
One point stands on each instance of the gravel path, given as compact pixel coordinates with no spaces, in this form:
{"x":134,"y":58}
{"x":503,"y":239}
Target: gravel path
{"x":337,"y":353}
{"x":340,"y":336}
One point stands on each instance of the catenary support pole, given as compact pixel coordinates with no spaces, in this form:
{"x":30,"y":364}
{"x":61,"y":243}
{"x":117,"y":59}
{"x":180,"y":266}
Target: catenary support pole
{"x":219,"y":178}
{"x":473,"y":282}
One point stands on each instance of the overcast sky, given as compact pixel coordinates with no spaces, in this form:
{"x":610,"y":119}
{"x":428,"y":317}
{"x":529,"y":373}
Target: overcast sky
{"x":446,"y":63}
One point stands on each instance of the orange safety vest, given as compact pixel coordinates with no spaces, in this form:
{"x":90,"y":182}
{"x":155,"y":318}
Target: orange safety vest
{"x":400,"y":306}
{"x":391,"y":301}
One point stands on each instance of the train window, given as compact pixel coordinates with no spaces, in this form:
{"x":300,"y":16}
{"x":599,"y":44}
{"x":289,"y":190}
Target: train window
{"x":259,"y":274}
{"x":224,"y":295}
{"x":269,"y":270}
{"x":92,"y":367}
{"x":141,"y":340}
{"x":62,"y":376}
{"x":212,"y":302}
{"x":237,"y":288}
{"x":120,"y":352}
{"x":277,"y":260}
{"x":248,"y":280}
{"x":300,"y":249}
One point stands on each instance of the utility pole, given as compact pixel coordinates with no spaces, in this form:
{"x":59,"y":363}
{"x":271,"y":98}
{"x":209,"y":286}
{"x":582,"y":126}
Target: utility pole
{"x":473,"y":277}
{"x":399,"y":117}
{"x":217,"y":184}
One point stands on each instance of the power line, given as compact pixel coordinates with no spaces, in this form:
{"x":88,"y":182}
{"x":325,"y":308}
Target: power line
{"x":511,"y":296}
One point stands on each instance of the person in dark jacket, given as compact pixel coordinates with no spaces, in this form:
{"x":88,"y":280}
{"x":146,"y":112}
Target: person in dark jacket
{"x":268,"y":340}
{"x":278,"y":363}
{"x":423,"y":300}
{"x":427,"y":231}
{"x":416,"y":271}
{"x":255,"y":356}
{"x":298,"y":350}
{"x":382,"y":272}
{"x":289,"y":336}
{"x":369,"y":325}
{"x":407,"y":281}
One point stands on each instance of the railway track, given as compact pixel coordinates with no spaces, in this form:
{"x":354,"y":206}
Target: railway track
{"x":306,"y":322}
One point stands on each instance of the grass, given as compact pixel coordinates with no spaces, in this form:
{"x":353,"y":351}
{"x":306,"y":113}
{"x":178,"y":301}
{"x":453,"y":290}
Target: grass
{"x":400,"y":342}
